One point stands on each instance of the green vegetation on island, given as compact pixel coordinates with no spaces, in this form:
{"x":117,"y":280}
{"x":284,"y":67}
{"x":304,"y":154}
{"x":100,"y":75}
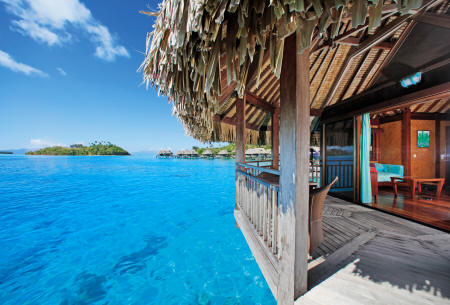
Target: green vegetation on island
{"x":94,"y":149}
{"x":231,"y":148}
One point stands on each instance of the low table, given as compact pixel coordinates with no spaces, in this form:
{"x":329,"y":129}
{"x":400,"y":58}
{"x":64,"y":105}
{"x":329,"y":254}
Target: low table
{"x":413,"y":182}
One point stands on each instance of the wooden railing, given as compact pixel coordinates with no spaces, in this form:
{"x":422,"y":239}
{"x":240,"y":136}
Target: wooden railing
{"x":261,"y":163}
{"x":257,"y":215}
{"x":342,"y":169}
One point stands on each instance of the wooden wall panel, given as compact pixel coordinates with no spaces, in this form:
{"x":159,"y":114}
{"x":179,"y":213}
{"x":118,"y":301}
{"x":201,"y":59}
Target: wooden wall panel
{"x":423,"y":159}
{"x":391,"y":143}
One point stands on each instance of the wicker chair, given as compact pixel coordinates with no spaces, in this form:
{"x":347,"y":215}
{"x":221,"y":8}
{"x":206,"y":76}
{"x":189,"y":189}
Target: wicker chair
{"x":316,"y":202}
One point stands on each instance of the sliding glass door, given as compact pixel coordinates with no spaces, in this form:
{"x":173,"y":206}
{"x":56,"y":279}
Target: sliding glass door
{"x":339,"y":157}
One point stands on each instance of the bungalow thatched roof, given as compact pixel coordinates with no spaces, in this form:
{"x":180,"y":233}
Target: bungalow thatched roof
{"x":204,"y":54}
{"x":207,"y":152}
{"x":165,"y":152}
{"x":223,"y":152}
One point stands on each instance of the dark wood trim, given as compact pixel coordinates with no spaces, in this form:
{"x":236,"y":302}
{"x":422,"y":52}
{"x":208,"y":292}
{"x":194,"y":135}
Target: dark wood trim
{"x":357,"y":170}
{"x":315,"y":112}
{"x":355,"y":41}
{"x":417,"y":116}
{"x":434,"y":19}
{"x":406,"y":141}
{"x":437,"y":148}
{"x":374,"y":102}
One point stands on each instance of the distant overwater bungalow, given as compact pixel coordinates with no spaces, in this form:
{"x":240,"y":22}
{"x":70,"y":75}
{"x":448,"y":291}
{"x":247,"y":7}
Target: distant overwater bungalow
{"x":208,"y":154}
{"x":165,"y":153}
{"x":224,"y":154}
{"x":368,"y":81}
{"x":187,"y":154}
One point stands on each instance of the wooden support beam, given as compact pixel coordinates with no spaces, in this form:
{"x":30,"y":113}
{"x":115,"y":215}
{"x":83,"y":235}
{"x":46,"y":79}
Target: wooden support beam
{"x":381,"y":35}
{"x":252,"y":114}
{"x":224,"y":114}
{"x":406,"y":142}
{"x":439,"y":20}
{"x":443,"y":106}
{"x":294,"y":189}
{"x":437,"y":148}
{"x":276,"y":138}
{"x":368,"y":71}
{"x":258,"y":102}
{"x":325,"y":75}
{"x":320,"y":64}
{"x":240,"y":130}
{"x":428,"y":109}
{"x":353,"y":76}
{"x":356,"y":42}
{"x":391,"y":53}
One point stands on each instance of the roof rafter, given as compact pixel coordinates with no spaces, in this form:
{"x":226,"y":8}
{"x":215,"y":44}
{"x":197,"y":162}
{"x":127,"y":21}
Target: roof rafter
{"x":258,"y":102}
{"x":382,"y":34}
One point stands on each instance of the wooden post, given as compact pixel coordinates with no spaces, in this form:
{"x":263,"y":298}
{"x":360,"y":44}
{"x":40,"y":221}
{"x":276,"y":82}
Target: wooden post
{"x":276,"y":138}
{"x":406,"y":141}
{"x":294,"y":189}
{"x":240,"y":143}
{"x":437,"y":153}
{"x":240,"y":130}
{"x":357,"y":156}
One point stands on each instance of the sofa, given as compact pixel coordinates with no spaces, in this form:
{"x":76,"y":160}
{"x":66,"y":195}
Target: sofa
{"x":386,"y":171}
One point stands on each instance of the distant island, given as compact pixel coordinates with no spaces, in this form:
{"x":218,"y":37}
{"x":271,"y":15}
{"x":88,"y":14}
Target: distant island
{"x":5,"y":152}
{"x":94,"y":149}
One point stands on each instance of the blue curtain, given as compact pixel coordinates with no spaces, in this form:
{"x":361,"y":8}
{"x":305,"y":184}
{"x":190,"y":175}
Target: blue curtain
{"x":366,"y":190}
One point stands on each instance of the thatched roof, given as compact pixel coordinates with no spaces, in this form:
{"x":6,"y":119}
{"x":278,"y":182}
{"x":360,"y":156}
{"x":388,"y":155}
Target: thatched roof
{"x":163,"y":152}
{"x":207,"y":152}
{"x":203,"y":54}
{"x":223,"y":152}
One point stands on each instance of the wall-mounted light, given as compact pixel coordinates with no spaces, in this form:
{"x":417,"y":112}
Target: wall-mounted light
{"x":411,"y":80}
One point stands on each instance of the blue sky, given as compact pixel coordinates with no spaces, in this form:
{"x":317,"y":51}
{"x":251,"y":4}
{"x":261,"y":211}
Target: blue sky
{"x":68,"y":75}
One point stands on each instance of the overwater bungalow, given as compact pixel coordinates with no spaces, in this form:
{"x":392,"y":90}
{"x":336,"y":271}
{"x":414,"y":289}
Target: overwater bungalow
{"x":208,"y":154}
{"x":369,"y":81}
{"x":224,"y":154}
{"x":165,"y":153}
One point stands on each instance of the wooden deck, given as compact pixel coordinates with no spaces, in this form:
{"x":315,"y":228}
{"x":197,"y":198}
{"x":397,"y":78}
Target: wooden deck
{"x":425,"y":209}
{"x":370,"y":257}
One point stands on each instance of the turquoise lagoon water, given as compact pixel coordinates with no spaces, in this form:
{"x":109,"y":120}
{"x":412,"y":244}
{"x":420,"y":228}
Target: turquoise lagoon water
{"x":122,"y":230}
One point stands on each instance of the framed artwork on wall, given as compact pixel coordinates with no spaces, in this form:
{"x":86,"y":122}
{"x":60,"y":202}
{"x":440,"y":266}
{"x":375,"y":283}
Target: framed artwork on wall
{"x":423,"y":138}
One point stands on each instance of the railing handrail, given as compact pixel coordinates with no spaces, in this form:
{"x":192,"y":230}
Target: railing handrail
{"x":255,"y":161}
{"x":268,"y":184}
{"x":261,"y":169}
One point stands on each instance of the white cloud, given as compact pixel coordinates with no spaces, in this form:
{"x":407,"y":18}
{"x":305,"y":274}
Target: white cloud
{"x":39,"y":143}
{"x":7,"y":61}
{"x":49,"y":21}
{"x":61,"y":71}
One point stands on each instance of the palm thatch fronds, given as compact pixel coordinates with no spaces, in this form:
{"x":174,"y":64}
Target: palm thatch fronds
{"x":191,"y":37}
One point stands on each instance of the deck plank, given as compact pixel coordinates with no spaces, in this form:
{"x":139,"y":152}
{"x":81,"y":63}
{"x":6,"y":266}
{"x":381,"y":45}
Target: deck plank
{"x":397,"y":262}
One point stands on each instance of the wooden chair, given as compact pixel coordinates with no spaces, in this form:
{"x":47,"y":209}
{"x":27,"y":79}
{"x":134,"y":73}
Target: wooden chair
{"x":316,"y":202}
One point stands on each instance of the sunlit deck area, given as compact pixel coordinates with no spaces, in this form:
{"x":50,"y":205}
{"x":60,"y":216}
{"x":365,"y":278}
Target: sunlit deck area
{"x":371,"y":257}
